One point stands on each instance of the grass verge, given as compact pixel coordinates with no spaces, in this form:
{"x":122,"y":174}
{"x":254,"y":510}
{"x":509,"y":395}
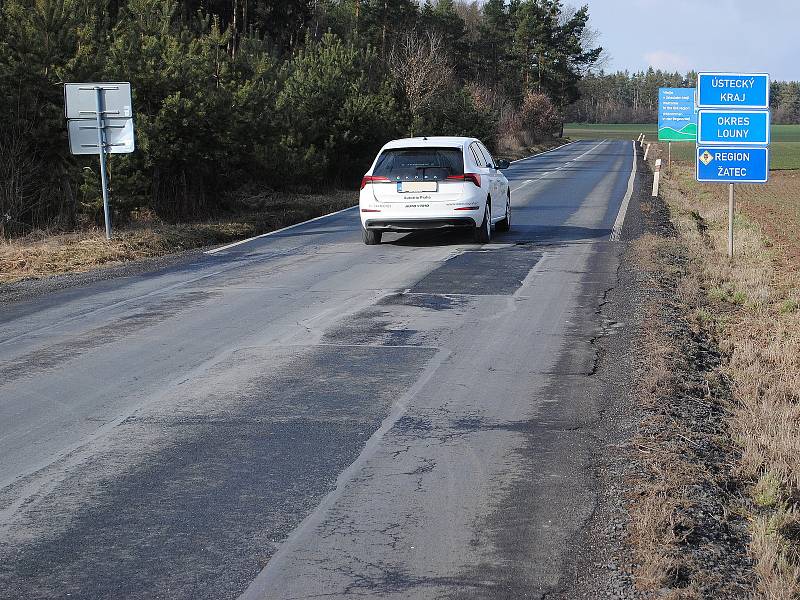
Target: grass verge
{"x":42,"y":253}
{"x":748,"y":308}
{"x":686,"y":527}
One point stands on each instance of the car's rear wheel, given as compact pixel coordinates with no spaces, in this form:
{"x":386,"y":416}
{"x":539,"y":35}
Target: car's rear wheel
{"x":483,"y":232}
{"x":371,"y":237}
{"x":505,"y":224}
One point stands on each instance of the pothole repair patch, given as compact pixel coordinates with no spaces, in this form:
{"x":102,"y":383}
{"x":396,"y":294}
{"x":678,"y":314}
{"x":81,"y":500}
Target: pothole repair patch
{"x":481,"y":273}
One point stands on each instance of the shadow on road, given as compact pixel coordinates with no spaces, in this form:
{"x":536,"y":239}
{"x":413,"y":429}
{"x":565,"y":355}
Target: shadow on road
{"x":526,"y":234}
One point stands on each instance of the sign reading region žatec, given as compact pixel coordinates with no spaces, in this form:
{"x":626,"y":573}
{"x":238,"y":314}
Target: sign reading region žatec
{"x":677,"y":116}
{"x":732,"y":90}
{"x":734,"y":164}
{"x":733,"y":127}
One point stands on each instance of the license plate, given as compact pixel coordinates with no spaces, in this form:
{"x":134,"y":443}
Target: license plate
{"x":417,"y":186}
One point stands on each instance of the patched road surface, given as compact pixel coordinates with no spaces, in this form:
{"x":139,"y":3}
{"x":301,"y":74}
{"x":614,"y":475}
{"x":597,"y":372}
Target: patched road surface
{"x":303,"y":416}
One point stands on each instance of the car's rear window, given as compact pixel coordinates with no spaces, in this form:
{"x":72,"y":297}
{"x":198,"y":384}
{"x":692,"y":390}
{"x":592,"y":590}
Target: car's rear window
{"x":405,"y":164}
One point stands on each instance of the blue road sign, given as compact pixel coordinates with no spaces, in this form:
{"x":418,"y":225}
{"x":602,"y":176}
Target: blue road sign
{"x":734,"y":164}
{"x":733,"y":127}
{"x":677,"y":115}
{"x":732,"y":90}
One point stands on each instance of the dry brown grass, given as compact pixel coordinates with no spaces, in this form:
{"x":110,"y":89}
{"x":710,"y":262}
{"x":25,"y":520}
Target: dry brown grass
{"x":775,"y":207}
{"x":667,"y":495}
{"x":42,"y":254}
{"x":751,"y":305}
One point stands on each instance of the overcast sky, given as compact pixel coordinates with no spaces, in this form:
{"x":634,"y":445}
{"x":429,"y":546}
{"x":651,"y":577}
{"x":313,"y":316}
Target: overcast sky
{"x":704,"y":35}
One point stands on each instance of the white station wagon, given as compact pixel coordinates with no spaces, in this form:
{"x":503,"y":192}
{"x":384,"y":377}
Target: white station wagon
{"x":435,"y":183}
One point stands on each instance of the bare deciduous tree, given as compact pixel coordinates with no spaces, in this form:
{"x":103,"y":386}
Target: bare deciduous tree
{"x":421,"y":64}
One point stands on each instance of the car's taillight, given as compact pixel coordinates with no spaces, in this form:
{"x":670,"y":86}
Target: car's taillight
{"x":473,"y":177}
{"x":372,"y":179}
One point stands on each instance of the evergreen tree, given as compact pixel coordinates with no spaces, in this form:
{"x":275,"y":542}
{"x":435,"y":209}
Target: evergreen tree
{"x":441,"y":19}
{"x":337,"y":109}
{"x":380,"y":22}
{"x":239,"y":93}
{"x":493,"y":49}
{"x":551,"y":53}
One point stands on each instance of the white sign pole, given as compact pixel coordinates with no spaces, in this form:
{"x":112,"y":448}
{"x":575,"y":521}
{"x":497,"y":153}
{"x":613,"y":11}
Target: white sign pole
{"x":101,"y":142}
{"x":731,"y":209}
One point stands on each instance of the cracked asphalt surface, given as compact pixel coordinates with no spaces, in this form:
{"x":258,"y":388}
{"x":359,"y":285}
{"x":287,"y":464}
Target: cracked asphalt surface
{"x":304,"y":416}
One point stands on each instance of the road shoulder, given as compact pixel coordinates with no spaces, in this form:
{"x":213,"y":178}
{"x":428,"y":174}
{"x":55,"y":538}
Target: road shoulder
{"x":667,"y":520}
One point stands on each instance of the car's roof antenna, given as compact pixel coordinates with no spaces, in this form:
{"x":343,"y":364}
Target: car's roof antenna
{"x":425,"y":137}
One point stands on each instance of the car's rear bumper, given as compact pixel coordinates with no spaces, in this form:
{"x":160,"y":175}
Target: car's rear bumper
{"x":400,"y":224}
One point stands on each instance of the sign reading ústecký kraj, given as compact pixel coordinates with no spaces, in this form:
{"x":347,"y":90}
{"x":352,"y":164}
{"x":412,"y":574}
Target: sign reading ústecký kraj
{"x":733,"y":90}
{"x":733,"y":127}
{"x":677,"y":115}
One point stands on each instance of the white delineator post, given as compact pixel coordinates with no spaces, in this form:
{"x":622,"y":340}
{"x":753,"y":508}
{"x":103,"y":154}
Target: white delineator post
{"x":656,"y":177}
{"x":669,"y":156}
{"x":646,"y":151}
{"x":731,"y":210}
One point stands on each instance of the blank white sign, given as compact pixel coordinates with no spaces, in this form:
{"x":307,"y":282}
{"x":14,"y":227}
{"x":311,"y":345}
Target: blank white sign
{"x":83,"y":136}
{"x":80,"y":99}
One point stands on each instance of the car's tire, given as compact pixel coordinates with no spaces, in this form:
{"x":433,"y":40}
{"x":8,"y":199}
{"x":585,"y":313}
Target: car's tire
{"x":483,"y":232}
{"x":371,"y":237}
{"x":505,"y":224}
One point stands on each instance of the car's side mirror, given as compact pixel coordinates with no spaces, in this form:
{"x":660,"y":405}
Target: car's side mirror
{"x":502,"y":164}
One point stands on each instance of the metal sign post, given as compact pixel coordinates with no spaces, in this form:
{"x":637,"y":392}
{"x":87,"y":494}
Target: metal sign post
{"x":733,"y":132}
{"x":731,"y":212}
{"x":101,"y":145}
{"x":100,"y":121}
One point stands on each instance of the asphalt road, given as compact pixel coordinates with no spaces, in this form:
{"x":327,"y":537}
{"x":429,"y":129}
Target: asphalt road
{"x":304,"y":416}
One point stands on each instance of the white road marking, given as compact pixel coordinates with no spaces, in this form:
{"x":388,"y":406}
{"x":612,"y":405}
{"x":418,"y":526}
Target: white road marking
{"x":545,"y":152}
{"x":545,"y":174}
{"x":617,"y":230}
{"x":255,"y":237}
{"x":584,"y":154}
{"x":528,"y":182}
